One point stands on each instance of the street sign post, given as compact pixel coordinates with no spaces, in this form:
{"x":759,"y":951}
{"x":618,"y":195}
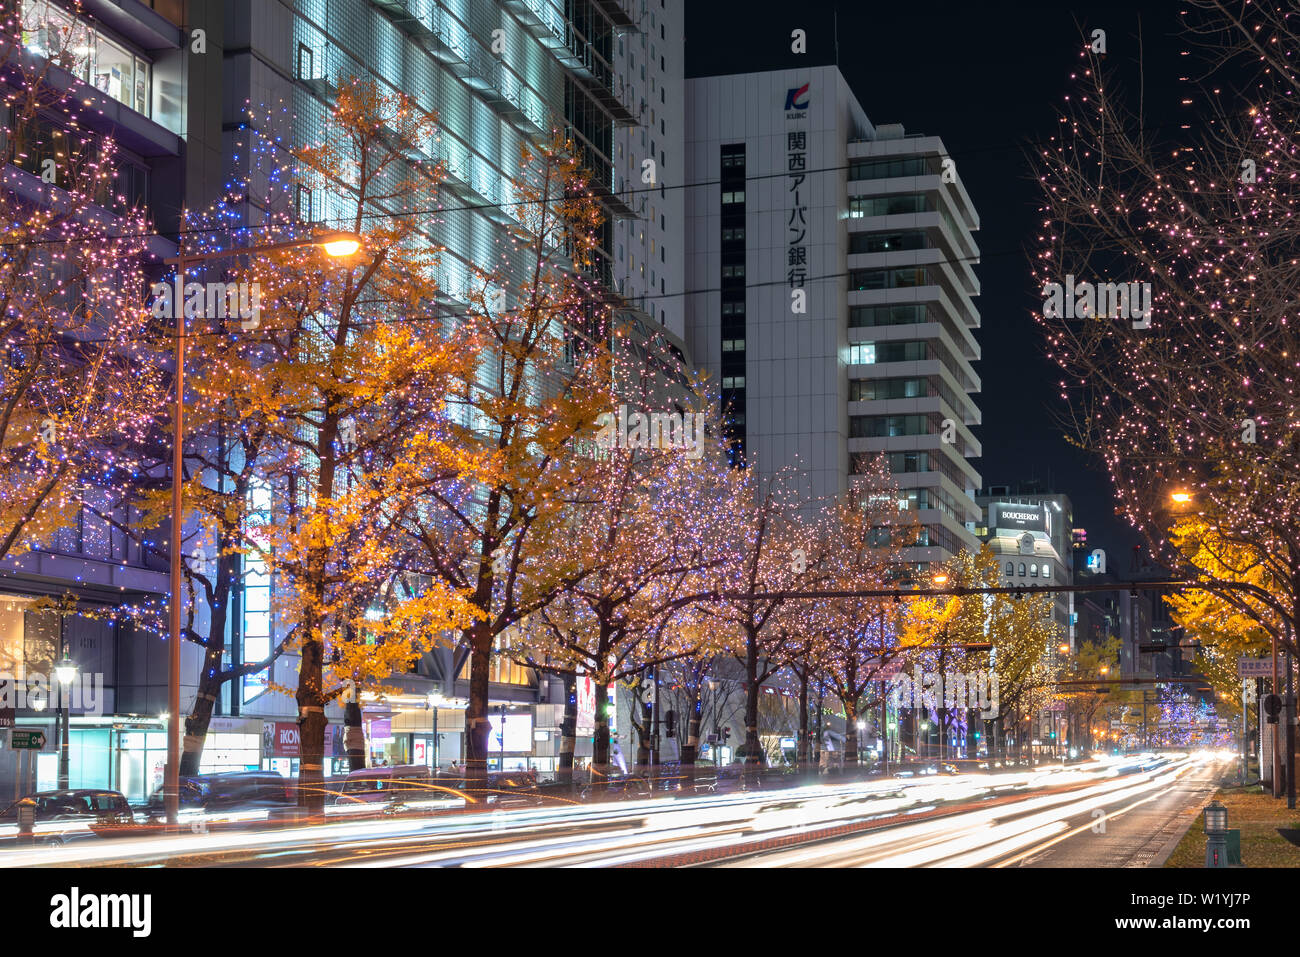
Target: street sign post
{"x":1254,"y":667}
{"x":22,"y":739}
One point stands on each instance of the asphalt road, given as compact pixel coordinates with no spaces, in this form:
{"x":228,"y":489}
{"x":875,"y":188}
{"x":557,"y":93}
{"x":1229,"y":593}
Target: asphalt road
{"x":1111,"y":812}
{"x":1119,"y":821}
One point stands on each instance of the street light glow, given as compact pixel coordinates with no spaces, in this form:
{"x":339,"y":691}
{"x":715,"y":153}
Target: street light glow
{"x":1182,"y":498}
{"x":340,"y":245}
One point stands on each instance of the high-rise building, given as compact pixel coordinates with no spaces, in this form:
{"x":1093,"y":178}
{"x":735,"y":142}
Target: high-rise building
{"x":650,"y":162}
{"x":188,"y":89}
{"x":831,"y":285}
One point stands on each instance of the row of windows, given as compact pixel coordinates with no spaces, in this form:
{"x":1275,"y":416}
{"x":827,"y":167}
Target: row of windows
{"x":867,"y":353}
{"x":863,"y":206}
{"x":1033,"y":570}
{"x":888,"y":242}
{"x":885,"y":168}
{"x":869,"y":390}
{"x":899,"y":315}
{"x":908,"y":277}
{"x":916,"y":387}
{"x":901,"y":463}
{"x":884,"y":426}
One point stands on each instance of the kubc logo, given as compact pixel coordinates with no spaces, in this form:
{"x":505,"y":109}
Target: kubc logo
{"x":797,"y":99}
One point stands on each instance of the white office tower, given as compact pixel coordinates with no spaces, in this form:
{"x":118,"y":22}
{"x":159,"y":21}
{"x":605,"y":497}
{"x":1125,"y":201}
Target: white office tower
{"x":830,"y":269}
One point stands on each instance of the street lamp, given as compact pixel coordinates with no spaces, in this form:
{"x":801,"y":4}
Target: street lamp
{"x":336,"y":244}
{"x":65,"y":672}
{"x":1216,"y":835}
{"x":940,"y":578}
{"x":1180,"y":497}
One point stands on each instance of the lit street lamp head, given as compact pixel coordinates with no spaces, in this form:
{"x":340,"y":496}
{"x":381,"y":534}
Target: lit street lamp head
{"x":339,"y":245}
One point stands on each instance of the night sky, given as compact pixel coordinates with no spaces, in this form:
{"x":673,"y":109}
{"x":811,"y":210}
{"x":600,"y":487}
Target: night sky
{"x":988,"y":78}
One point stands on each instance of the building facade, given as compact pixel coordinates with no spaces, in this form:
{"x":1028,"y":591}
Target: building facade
{"x":831,"y":293}
{"x":192,"y":91}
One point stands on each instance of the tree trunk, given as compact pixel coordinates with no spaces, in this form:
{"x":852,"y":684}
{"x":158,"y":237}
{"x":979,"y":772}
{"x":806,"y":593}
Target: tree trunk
{"x":801,"y":753}
{"x":600,"y":747}
{"x":850,"y":735}
{"x":752,"y":690}
{"x":311,"y":722}
{"x":477,"y":725}
{"x":210,"y":675}
{"x":691,"y":747}
{"x":568,"y":732}
{"x":354,"y":737}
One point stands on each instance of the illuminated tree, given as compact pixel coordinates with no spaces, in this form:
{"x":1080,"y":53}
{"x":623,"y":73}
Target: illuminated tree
{"x":79,"y":384}
{"x":860,"y":544}
{"x":345,"y":373}
{"x":645,"y":545}
{"x":522,"y":420}
{"x":1200,"y":396}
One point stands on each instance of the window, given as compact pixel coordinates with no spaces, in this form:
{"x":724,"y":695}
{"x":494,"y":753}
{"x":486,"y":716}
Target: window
{"x":732,"y":197}
{"x":733,"y":272}
{"x":735,"y":234}
{"x":885,"y":168}
{"x":867,"y":390}
{"x":1022,"y":569}
{"x":886,"y":242}
{"x":733,"y":308}
{"x":862,"y":353}
{"x":865,"y":316}
{"x":1011,"y":568}
{"x":1033,"y":570}
{"x":862,"y":206}
{"x":882,"y":426}
{"x":906,"y":278}
{"x":733,"y":382}
{"x":865,"y":353}
{"x":733,"y":345}
{"x":1047,"y":571}
{"x":76,"y":46}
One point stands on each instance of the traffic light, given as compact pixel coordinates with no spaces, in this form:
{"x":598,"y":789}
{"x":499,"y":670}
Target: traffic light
{"x":726,"y":733}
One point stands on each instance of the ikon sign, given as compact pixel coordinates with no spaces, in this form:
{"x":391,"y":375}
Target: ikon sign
{"x":280,"y":739}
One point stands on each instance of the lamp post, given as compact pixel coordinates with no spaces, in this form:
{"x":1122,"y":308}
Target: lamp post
{"x":335,"y":244}
{"x":65,"y":672}
{"x":1216,"y":835}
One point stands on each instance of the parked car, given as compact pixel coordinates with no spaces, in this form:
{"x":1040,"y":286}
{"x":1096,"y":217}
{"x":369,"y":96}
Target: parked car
{"x":399,"y":783}
{"x":61,"y":816}
{"x":228,"y":791}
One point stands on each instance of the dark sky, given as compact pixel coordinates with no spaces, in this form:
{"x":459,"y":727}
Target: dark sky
{"x":987,"y":77}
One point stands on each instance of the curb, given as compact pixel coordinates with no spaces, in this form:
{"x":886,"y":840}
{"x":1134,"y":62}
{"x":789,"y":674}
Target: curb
{"x":1167,"y":851}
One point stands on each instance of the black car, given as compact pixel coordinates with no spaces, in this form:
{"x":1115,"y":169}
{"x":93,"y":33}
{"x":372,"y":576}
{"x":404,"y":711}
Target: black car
{"x":61,"y":816}
{"x":228,"y":791}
